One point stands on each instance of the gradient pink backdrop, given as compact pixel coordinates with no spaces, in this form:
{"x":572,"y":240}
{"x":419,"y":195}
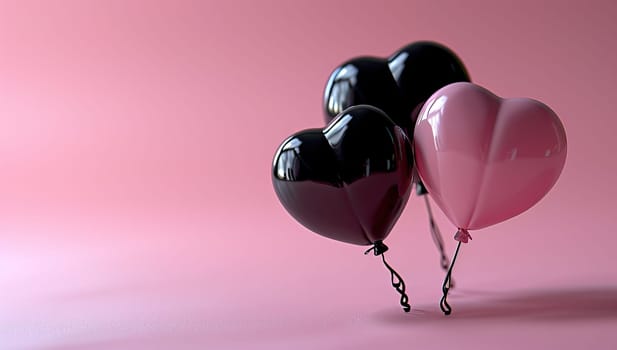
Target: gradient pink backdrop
{"x":136,"y":206}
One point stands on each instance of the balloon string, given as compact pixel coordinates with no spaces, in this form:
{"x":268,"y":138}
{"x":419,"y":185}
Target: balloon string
{"x":437,"y":237}
{"x":398,"y":284}
{"x":443,"y":304}
{"x":397,"y":281}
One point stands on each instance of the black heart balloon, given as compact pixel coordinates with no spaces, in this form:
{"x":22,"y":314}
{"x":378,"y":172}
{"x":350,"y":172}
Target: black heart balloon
{"x":364,"y":81}
{"x":413,"y":74}
{"x":422,"y":68}
{"x":349,"y":181}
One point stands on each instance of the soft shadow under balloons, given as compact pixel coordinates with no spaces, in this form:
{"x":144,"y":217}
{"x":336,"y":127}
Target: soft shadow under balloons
{"x":564,"y":305}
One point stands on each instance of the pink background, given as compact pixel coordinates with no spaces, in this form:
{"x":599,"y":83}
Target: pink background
{"x":137,"y":212}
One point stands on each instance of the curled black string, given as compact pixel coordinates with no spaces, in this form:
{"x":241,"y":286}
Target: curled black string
{"x":379,"y":248}
{"x":447,"y":284}
{"x":437,"y":237}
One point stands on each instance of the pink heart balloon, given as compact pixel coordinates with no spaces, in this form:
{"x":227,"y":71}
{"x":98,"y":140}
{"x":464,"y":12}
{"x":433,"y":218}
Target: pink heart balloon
{"x":485,"y":159}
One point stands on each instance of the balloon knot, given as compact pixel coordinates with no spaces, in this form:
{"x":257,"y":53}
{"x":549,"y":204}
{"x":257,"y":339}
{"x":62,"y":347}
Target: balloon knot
{"x":378,"y":248}
{"x":462,"y":235}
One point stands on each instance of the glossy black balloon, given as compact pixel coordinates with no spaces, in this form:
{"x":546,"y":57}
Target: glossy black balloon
{"x":422,"y":68}
{"x":349,"y":181}
{"x":364,"y":81}
{"x":413,"y":74}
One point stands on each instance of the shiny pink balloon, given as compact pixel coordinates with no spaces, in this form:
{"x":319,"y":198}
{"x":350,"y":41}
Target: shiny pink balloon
{"x":485,"y":159}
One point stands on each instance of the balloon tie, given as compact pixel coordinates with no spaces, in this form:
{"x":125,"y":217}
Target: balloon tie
{"x":398,"y":284}
{"x":462,"y":236}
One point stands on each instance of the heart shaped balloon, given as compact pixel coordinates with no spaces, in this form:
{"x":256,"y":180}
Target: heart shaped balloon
{"x":398,"y":85}
{"x":349,"y":181}
{"x":485,"y":159}
{"x":364,"y":81}
{"x":423,"y":67}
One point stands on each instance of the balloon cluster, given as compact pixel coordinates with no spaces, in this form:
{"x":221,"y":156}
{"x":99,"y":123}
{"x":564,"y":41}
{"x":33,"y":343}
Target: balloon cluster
{"x":416,"y":118}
